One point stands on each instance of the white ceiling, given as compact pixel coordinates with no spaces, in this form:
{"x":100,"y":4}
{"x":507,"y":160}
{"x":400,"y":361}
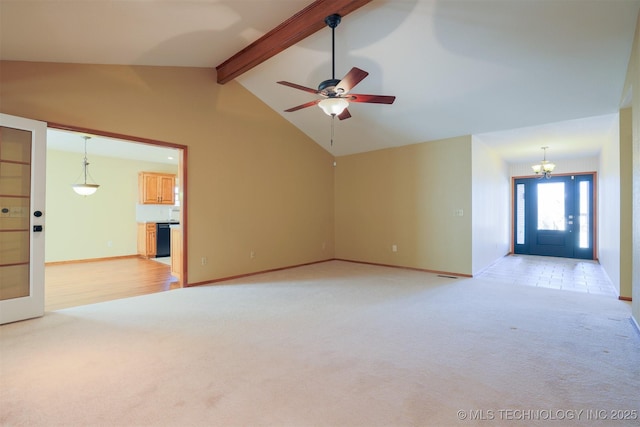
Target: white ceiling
{"x":518,"y":74}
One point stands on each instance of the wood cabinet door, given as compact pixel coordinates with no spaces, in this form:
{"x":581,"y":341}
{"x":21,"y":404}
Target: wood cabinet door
{"x":142,"y":239}
{"x":148,"y":188}
{"x":166,"y":189}
{"x":156,"y":188}
{"x":151,"y":240}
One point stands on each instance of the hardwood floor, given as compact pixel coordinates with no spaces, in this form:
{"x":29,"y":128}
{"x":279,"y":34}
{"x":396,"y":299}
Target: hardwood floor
{"x":87,"y":282}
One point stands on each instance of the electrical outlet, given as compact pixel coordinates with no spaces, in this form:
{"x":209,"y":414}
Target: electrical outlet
{"x":204,"y":260}
{"x":252,"y":254}
{"x":394,"y":248}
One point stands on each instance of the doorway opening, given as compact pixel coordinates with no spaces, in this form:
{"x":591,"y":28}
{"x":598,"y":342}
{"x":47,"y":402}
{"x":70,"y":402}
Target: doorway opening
{"x":555,"y":216}
{"x":113,"y":217}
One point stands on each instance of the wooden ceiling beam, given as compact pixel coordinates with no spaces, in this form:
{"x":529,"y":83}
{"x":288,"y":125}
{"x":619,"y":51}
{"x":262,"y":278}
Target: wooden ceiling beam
{"x":298,"y":27}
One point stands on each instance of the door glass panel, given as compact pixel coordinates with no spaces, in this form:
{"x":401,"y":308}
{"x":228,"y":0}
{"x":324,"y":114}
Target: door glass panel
{"x":15,"y":179}
{"x":551,"y":214}
{"x":583,"y":215}
{"x":520,"y":214}
{"x":13,"y":147}
{"x":15,"y":191}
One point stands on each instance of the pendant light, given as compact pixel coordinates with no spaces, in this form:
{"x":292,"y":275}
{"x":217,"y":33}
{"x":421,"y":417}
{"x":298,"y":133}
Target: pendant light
{"x":544,"y":168}
{"x":85,"y":189}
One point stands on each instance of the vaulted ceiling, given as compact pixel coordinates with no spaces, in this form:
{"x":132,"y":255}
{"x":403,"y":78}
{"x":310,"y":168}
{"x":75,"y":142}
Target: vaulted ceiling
{"x":518,"y":74}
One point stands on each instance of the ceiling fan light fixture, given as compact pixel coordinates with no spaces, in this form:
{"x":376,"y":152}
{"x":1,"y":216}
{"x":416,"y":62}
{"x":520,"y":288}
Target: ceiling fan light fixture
{"x":333,"y":106}
{"x":333,"y":90}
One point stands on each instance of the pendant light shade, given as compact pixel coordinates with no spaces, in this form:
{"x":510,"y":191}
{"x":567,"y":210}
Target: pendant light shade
{"x":333,"y":106}
{"x":85,"y":188}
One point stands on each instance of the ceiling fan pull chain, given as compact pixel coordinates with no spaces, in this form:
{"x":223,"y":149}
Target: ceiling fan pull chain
{"x":333,"y":118}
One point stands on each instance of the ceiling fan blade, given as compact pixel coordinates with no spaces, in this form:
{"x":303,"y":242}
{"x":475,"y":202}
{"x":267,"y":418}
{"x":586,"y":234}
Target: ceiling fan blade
{"x":352,"y":78}
{"x":300,"y":107}
{"x":344,"y":115}
{"x":296,"y":86}
{"x":374,"y":99}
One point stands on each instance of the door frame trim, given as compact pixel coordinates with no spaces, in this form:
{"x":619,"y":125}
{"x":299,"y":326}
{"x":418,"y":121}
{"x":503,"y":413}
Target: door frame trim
{"x":594,"y":208}
{"x":183,"y":177}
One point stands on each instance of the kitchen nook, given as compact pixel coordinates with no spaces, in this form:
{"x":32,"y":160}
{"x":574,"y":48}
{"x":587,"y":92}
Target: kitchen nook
{"x":159,"y":233}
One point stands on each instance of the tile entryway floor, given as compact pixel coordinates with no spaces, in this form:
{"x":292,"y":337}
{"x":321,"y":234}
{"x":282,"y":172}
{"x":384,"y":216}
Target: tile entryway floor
{"x":549,"y":272}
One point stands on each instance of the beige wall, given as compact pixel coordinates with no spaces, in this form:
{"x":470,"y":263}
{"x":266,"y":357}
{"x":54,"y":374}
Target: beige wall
{"x":102,"y":225}
{"x":407,"y":196}
{"x":255,"y":182}
{"x":632,"y":85}
{"x":626,"y":202}
{"x":608,"y":209}
{"x":490,"y":222}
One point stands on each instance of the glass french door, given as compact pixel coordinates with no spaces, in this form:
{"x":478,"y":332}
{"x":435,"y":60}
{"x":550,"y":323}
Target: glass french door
{"x":22,"y":200}
{"x":554,"y":217}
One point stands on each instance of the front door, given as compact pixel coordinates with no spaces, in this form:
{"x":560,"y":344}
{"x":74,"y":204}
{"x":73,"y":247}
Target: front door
{"x":554,"y":217}
{"x":22,"y":200}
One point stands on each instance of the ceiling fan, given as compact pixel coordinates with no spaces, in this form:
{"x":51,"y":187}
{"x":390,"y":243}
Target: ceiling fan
{"x":335,"y":93}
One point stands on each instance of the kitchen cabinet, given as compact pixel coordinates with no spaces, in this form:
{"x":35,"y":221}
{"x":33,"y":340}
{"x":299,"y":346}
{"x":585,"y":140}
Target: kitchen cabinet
{"x":156,"y":188}
{"x":147,"y":239}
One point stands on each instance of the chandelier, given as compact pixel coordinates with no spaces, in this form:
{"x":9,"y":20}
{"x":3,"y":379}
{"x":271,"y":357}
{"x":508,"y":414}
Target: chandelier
{"x":545,"y":167}
{"x":85,"y":189}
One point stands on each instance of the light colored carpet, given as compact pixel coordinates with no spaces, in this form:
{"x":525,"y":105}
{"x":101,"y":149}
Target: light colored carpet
{"x":330,"y":344}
